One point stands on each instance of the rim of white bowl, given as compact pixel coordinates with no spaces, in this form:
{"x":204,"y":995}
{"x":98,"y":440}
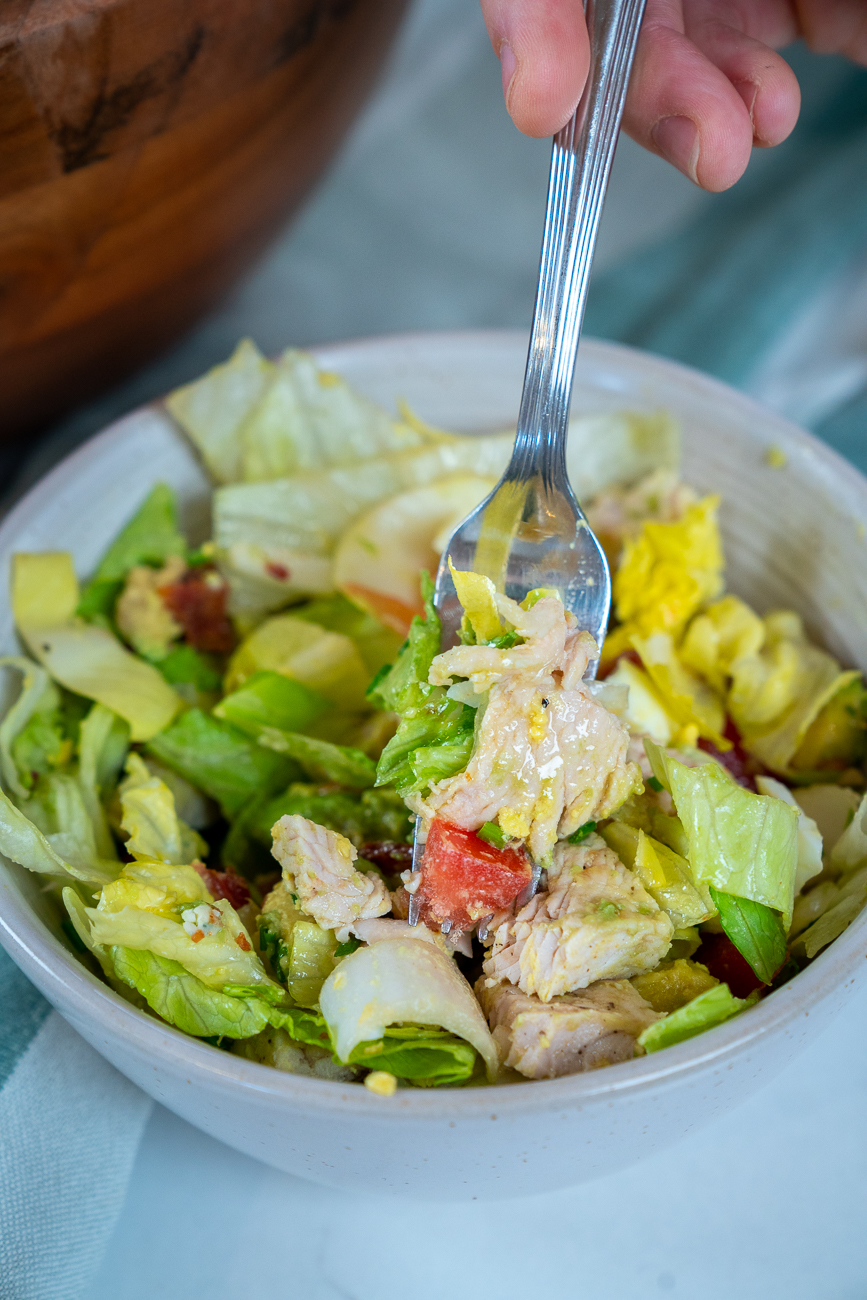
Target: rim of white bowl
{"x":35,"y":948}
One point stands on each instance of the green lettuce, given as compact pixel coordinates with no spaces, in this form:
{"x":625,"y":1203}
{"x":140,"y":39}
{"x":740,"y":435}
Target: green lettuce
{"x":221,"y":760}
{"x":428,"y":1057}
{"x":150,"y":537}
{"x":755,"y":930}
{"x":320,"y":759}
{"x":377,"y":644}
{"x":269,"y":699}
{"x":300,"y":952}
{"x":184,"y":666}
{"x":103,"y":744}
{"x":372,"y":815}
{"x":29,"y":738}
{"x":149,"y":817}
{"x":704,"y":1012}
{"x":844,"y":909}
{"x":53,"y":851}
{"x":741,"y":843}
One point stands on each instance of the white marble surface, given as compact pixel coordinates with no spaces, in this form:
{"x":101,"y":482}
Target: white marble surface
{"x":431,"y":219}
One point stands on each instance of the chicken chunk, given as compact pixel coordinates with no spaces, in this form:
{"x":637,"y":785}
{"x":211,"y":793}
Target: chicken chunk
{"x":142,"y":615}
{"x":581,"y":1031}
{"x":547,"y":756}
{"x":594,"y":922}
{"x":317,"y":866}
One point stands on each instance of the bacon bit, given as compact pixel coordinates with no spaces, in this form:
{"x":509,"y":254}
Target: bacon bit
{"x":278,"y":571}
{"x":390,"y":611}
{"x":224,"y":884}
{"x":198,"y":601}
{"x":388,"y":855}
{"x":242,"y":943}
{"x":197,"y":935}
{"x":729,"y":966}
{"x":739,"y":764}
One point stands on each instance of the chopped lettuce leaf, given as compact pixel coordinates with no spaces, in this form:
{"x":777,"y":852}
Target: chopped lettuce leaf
{"x":809,"y":839}
{"x":645,"y":713}
{"x":617,"y":447}
{"x":262,"y":580}
{"x":103,"y":743}
{"x":405,"y":684}
{"x":26,"y":843}
{"x":377,"y":644}
{"x":741,"y":843}
{"x":184,"y":666}
{"x":309,"y":512}
{"x":320,"y":759}
{"x":30,"y":739}
{"x":374,"y":815}
{"x":850,"y":850}
{"x":428,"y":1057}
{"x":300,"y":952}
{"x":666,"y":574}
{"x":727,"y":631}
{"x":477,"y":595}
{"x":673,"y":984}
{"x":156,"y":833}
{"x":310,"y":419}
{"x":755,"y":930}
{"x":212,"y":410}
{"x":220,"y":760}
{"x":269,"y":699}
{"x":837,"y":736}
{"x":704,"y":1012}
{"x":832,"y":808}
{"x":832,"y":923}
{"x":668,"y":879}
{"x":402,"y":981}
{"x":327,"y":662}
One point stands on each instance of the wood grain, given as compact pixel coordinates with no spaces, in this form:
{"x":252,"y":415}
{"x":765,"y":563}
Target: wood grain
{"x":148,"y":151}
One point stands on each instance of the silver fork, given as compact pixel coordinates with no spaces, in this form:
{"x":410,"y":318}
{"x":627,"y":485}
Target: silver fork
{"x":530,"y":531}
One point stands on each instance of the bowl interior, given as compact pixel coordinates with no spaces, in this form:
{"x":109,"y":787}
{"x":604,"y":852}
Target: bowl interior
{"x":794,"y":535}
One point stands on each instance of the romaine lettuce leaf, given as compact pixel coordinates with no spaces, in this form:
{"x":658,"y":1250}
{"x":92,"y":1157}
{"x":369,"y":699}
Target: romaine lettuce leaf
{"x":377,"y":644}
{"x":668,"y":879}
{"x":704,"y":1012}
{"x":269,"y":699}
{"x":220,"y":760}
{"x":837,"y":736}
{"x":374,"y":815}
{"x":809,"y":838}
{"x":262,"y":580}
{"x":212,"y":409}
{"x":176,"y":995}
{"x":685,"y":697}
{"x":741,"y":843}
{"x":850,"y":850}
{"x":25,"y":843}
{"x":103,"y":744}
{"x":328,"y":662}
{"x":184,"y":666}
{"x":44,"y":589}
{"x":430,"y":1058}
{"x":725,"y":632}
{"x":755,"y":930}
{"x":31,"y":739}
{"x":320,"y":759}
{"x":300,"y":952}
{"x":148,"y":815}
{"x":852,"y":897}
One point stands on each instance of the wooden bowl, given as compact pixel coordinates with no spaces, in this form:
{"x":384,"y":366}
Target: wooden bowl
{"x":148,"y":151}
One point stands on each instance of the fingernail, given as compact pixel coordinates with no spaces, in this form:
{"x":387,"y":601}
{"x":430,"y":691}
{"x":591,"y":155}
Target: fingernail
{"x":508,"y":64}
{"x":677,"y":139}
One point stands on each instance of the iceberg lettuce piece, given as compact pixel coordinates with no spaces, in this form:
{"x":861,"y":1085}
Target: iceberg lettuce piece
{"x":402,"y":981}
{"x":684,"y":696}
{"x":429,"y":1058}
{"x":25,"y":843}
{"x":809,"y":838}
{"x":220,"y":760}
{"x":645,"y":713}
{"x":617,"y":447}
{"x":668,"y":879}
{"x":103,"y":744}
{"x":212,"y":410}
{"x":741,"y":843}
{"x":148,"y":815}
{"x":376,"y":643}
{"x":727,"y":631}
{"x":850,"y":850}
{"x":704,"y":1012}
{"x":374,"y":815}
{"x":838,"y":917}
{"x":36,"y":693}
{"x":263,"y":581}
{"x":310,"y":419}
{"x":755,"y":930}
{"x":269,"y":699}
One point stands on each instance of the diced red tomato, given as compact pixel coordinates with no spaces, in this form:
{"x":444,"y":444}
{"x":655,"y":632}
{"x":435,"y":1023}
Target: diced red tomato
{"x":198,"y":601}
{"x":723,"y":960}
{"x":463,"y":878}
{"x":740,"y":765}
{"x":224,"y":884}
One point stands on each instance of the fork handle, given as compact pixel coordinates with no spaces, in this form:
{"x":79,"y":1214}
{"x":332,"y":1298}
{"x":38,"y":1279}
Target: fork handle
{"x":580,"y":166}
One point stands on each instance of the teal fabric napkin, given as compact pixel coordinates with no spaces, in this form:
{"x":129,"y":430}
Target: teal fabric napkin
{"x":716,"y":295}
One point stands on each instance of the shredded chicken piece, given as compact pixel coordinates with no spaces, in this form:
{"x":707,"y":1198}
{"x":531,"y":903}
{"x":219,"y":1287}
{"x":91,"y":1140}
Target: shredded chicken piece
{"x":618,"y":512}
{"x":317,"y":867}
{"x":141,"y":613}
{"x":594,"y":922}
{"x":582,"y":1031}
{"x":547,"y":755}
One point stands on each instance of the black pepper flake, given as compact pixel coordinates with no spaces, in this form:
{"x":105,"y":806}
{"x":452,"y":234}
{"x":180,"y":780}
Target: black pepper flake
{"x":544,"y":704}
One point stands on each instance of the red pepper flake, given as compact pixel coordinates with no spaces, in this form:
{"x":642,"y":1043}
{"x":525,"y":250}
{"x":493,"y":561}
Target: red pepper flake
{"x":198,"y":602}
{"x":197,"y":935}
{"x":278,"y":571}
{"x":242,"y":943}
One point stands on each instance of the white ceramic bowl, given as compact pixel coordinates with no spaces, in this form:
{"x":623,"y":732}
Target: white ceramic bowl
{"x":794,"y":536}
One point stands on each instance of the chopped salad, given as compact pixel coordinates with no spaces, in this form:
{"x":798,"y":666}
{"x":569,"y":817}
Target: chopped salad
{"x":219,"y":751}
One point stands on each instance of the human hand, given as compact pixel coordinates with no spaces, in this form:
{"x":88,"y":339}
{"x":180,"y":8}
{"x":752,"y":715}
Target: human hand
{"x":706,"y":85}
